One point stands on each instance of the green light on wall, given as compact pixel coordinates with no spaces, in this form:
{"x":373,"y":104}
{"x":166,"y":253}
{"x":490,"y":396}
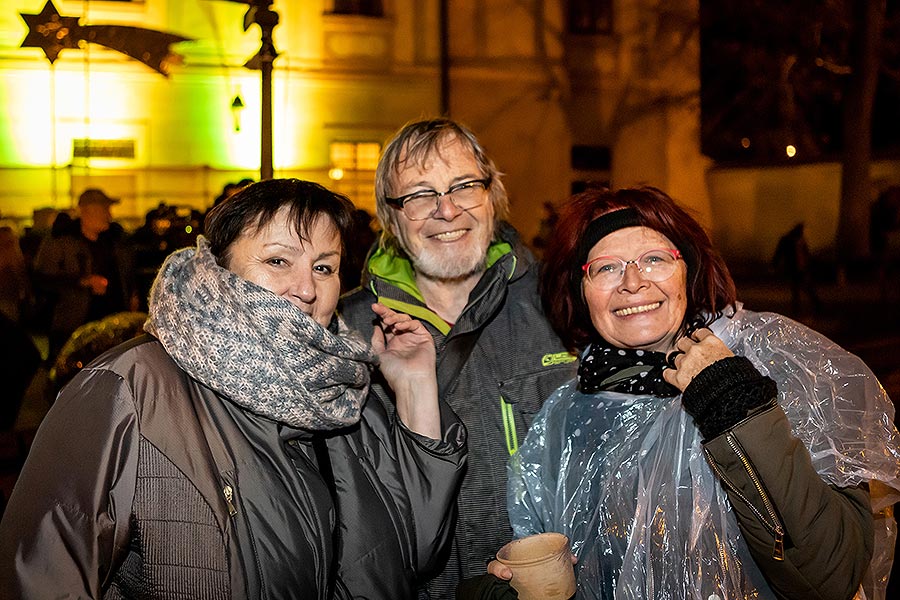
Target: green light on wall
{"x":25,"y":127}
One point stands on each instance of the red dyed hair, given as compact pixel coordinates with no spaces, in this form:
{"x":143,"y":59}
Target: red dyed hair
{"x":710,"y":288}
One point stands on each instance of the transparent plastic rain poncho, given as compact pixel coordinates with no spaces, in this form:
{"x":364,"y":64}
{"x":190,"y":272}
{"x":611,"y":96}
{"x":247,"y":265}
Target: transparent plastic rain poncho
{"x":626,"y":479}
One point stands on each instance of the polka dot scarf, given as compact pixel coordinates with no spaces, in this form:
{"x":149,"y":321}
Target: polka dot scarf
{"x":604,"y":368}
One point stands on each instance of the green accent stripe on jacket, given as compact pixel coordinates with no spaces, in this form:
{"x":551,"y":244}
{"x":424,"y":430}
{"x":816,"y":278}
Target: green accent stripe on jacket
{"x":398,"y":270}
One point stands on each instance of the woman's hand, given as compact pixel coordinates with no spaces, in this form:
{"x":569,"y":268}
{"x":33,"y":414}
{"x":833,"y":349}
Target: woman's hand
{"x":407,"y":355}
{"x":501,"y":571}
{"x":692,"y":354}
{"x":403,"y":345}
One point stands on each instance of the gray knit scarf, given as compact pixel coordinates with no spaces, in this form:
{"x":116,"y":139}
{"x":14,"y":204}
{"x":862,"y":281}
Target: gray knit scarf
{"x":255,"y":347}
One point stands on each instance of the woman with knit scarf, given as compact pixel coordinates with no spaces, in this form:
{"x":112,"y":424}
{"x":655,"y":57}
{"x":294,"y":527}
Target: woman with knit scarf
{"x":236,"y":450}
{"x":704,"y":451}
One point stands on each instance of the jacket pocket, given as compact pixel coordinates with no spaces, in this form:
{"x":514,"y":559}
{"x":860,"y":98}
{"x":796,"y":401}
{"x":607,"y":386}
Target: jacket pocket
{"x":522,"y":396}
{"x":528,"y":391}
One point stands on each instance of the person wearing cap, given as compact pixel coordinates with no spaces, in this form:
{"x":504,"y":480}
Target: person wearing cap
{"x":87,"y":268}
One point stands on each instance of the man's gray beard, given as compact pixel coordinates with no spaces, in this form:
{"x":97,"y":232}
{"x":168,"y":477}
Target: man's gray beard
{"x":449,"y":267}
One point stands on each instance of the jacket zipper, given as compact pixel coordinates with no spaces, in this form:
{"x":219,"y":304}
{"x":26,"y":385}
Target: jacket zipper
{"x":303,"y":461}
{"x":477,"y":301}
{"x":775,"y":526}
{"x":228,"y":492}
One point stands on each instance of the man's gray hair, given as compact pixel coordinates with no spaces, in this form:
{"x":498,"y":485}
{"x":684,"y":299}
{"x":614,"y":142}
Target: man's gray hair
{"x":417,"y":142}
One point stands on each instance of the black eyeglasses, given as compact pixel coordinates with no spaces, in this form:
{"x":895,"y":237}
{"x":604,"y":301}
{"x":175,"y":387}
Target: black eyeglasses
{"x":420,"y":205}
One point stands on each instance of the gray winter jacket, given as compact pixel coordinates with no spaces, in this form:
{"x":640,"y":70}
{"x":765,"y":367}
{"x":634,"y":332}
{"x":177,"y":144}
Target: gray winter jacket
{"x":516,"y":362}
{"x":144,"y":483}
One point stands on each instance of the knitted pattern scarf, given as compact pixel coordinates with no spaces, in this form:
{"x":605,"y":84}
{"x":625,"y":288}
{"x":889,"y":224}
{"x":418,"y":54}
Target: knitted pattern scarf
{"x":254,"y":347}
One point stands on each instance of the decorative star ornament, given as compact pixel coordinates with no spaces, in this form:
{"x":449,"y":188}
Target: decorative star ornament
{"x":52,"y":33}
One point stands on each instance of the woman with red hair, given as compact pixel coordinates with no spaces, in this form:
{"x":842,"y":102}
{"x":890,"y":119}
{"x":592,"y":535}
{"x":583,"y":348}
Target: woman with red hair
{"x":704,"y":450}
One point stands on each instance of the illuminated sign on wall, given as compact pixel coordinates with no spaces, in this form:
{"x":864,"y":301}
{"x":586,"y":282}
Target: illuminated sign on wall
{"x":90,"y":148}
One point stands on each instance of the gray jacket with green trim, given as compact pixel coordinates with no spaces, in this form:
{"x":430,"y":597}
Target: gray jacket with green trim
{"x":513,"y":367}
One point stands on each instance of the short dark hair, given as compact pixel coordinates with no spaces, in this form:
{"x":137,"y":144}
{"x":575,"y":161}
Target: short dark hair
{"x":255,"y":205}
{"x":710,"y":288}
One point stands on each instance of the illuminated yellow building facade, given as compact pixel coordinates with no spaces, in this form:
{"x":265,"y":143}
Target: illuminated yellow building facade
{"x":569,"y":92}
{"x":561,"y":92}
{"x":341,"y":84}
{"x":542,"y":83}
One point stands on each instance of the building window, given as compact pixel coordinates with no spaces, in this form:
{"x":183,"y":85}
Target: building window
{"x":591,"y":158}
{"x":590,"y":16}
{"x":354,"y":156}
{"x":352,"y":171}
{"x":368,"y":8}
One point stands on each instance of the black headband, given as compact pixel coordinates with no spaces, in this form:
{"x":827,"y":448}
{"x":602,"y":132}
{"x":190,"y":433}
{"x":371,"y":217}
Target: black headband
{"x":602,"y":226}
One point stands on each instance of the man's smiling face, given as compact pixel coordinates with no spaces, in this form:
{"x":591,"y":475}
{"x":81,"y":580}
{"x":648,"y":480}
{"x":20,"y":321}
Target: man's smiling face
{"x":452,"y":243}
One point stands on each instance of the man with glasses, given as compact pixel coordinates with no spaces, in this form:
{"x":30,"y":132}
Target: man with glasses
{"x":448,"y":258}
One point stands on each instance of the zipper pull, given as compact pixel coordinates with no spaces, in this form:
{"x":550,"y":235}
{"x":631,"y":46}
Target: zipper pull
{"x":778,"y":553}
{"x":228,"y":491}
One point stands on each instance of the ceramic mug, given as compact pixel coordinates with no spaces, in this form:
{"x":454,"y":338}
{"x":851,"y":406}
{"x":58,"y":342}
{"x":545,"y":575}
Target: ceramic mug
{"x":541,"y":567}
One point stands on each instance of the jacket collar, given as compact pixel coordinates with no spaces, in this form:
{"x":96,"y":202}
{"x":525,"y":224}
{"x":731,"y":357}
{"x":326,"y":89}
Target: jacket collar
{"x":390,"y":276}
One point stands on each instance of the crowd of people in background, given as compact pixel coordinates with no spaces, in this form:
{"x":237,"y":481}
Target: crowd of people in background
{"x":361,"y":408}
{"x":19,"y":358}
{"x":73,"y":268}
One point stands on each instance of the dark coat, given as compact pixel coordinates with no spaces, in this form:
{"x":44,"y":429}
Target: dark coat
{"x":143,"y":482}
{"x":64,"y":260}
{"x":516,"y":363}
{"x":774,"y":490}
